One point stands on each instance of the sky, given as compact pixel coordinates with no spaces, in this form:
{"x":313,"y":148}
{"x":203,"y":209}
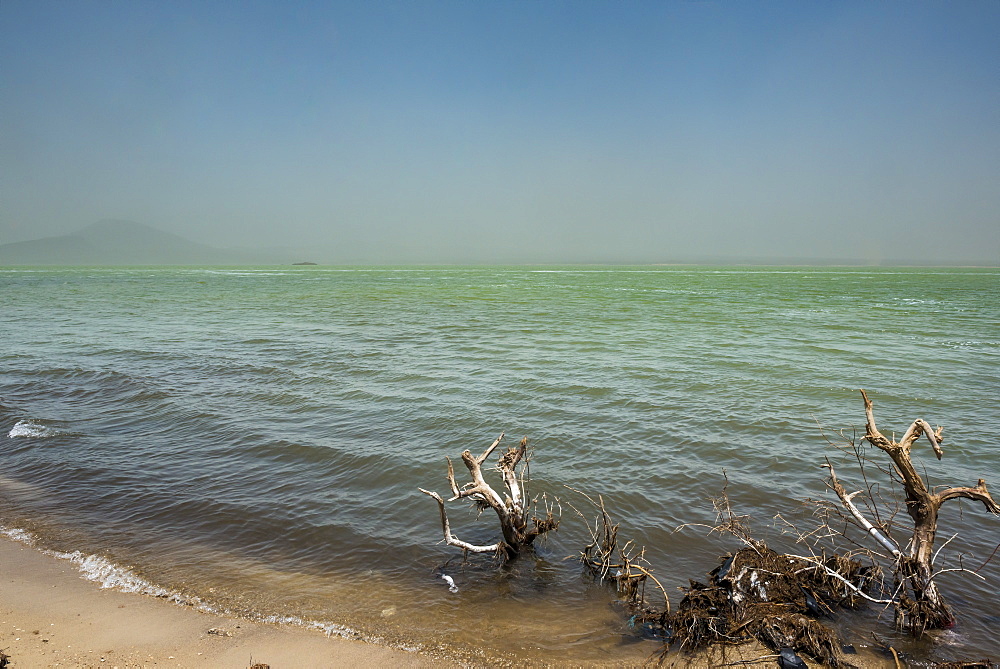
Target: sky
{"x":502,"y":131}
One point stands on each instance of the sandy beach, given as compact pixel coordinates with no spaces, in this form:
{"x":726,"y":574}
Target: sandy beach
{"x":50,"y":616}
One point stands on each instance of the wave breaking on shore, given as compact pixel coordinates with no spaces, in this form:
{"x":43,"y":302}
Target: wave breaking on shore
{"x":108,"y":574}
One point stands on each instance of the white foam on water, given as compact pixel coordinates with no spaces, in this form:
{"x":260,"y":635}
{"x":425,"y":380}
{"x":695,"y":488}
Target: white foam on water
{"x":333,"y":629}
{"x":17,"y":534}
{"x":29,"y":428}
{"x":330,"y":629}
{"x":110,"y":575}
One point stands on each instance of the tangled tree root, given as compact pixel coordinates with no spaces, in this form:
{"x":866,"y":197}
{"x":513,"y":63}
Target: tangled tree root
{"x":773,"y":598}
{"x":800,"y":633}
{"x":754,"y":594}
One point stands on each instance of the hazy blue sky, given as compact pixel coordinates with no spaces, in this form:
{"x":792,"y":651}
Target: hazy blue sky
{"x":477,"y":130}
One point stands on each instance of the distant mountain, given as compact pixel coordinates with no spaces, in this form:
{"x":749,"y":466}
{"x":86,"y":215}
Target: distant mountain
{"x":117,"y":242}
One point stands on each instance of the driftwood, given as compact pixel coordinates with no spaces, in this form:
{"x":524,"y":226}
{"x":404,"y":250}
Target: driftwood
{"x":919,"y":604}
{"x":775,"y":599}
{"x":624,"y":565}
{"x":519,"y":525}
{"x":759,"y":594}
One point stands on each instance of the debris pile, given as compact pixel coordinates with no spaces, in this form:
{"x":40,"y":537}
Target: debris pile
{"x":759,"y":594}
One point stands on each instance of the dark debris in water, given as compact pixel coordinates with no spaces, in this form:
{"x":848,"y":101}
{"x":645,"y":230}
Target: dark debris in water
{"x":755,"y":594}
{"x":787,"y":659}
{"x":775,"y":599}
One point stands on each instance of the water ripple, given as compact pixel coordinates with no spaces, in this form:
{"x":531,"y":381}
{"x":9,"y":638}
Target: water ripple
{"x":287,"y":417}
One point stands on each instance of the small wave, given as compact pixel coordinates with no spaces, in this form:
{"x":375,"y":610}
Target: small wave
{"x":333,"y":629}
{"x":330,"y":629}
{"x":104,"y":571}
{"x":31,"y":428}
{"x":17,"y":534}
{"x":114,"y":576}
{"x":110,"y":575}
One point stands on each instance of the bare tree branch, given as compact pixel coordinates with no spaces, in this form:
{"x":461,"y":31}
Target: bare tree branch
{"x":846,"y":499}
{"x":978,"y":493}
{"x":450,"y":538}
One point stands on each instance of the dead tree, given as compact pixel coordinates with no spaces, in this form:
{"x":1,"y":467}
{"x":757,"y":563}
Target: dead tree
{"x":519,"y":525}
{"x":919,"y":604}
{"x":623,"y":564}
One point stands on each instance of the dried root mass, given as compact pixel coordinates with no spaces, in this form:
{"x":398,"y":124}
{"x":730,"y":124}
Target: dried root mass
{"x":760,"y":594}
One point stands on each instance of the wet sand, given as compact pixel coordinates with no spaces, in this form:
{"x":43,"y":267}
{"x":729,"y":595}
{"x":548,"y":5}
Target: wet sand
{"x":50,"y":616}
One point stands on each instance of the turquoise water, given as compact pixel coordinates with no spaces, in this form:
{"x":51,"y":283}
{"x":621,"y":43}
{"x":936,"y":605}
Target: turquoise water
{"x":255,"y":437}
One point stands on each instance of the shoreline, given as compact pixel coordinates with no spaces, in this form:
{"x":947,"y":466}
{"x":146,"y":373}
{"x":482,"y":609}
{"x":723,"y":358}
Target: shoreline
{"x":50,"y":616}
{"x":53,"y":615}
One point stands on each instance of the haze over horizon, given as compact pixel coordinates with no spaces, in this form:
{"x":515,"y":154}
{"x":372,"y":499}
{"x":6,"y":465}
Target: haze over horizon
{"x":510,"y":131}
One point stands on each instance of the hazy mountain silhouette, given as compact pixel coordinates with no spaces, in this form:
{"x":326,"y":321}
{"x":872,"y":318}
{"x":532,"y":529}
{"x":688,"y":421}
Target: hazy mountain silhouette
{"x":117,"y":242}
